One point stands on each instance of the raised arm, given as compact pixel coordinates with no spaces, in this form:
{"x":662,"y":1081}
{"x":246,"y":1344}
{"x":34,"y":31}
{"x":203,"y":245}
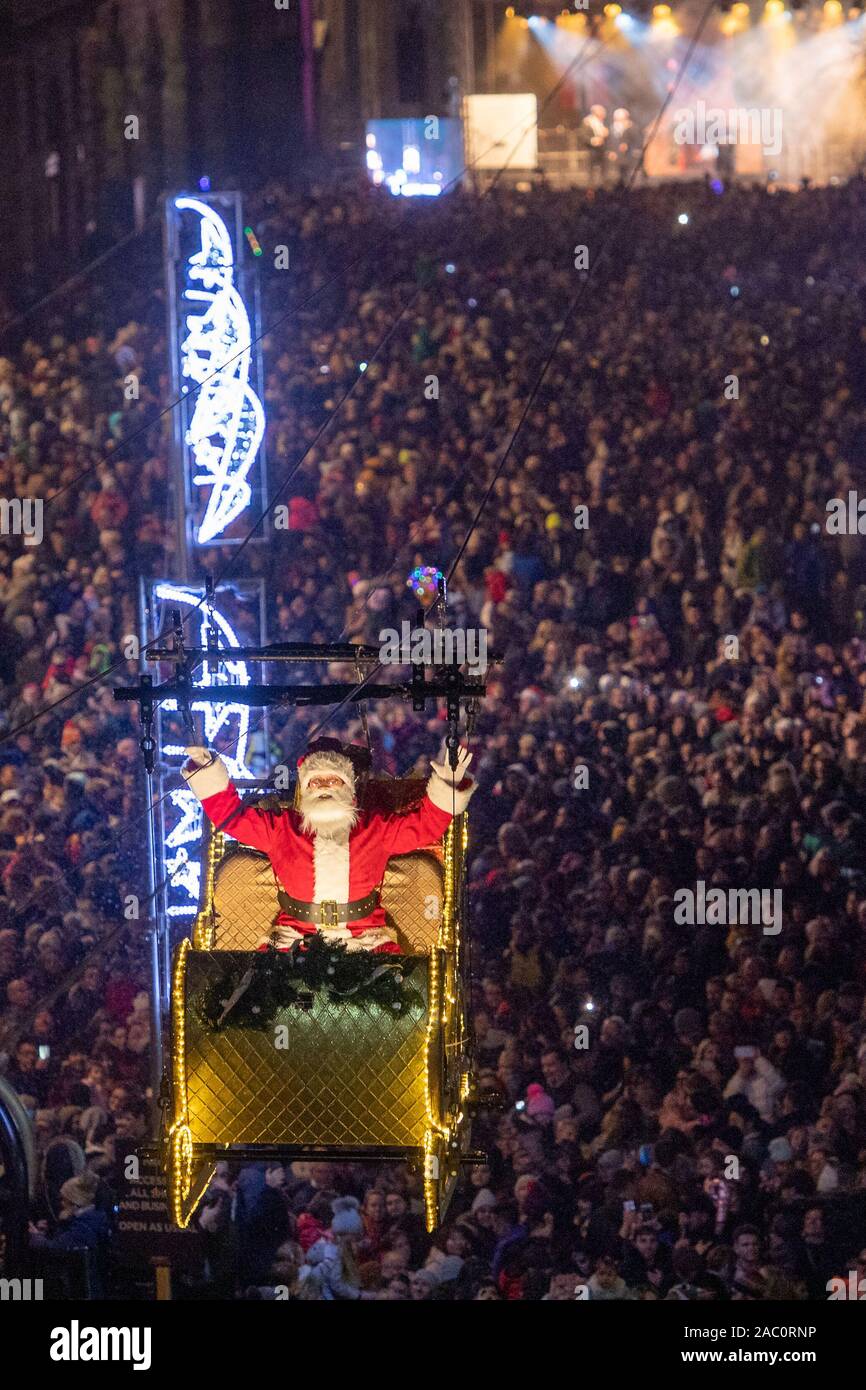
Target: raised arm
{"x":447,"y":795}
{"x":207,"y":777}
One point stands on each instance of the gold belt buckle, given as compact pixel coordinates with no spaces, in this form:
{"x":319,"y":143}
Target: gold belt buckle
{"x":330,"y":917}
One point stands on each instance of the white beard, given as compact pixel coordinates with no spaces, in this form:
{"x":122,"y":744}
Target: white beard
{"x":329,"y":815}
{"x":330,"y":812}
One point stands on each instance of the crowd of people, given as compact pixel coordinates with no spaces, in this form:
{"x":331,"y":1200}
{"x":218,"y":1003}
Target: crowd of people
{"x":680,"y":702}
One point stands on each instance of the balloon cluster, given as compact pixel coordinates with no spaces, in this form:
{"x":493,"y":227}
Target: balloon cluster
{"x":424,"y":582}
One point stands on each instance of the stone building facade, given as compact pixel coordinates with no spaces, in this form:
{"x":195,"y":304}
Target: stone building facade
{"x":104,"y":104}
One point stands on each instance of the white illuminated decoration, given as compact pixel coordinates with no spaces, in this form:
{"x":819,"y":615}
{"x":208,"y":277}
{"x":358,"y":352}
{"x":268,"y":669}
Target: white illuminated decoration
{"x":226,"y":727}
{"x":228,"y":421}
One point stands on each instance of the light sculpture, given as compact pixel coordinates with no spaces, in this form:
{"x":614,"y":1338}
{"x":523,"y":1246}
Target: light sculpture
{"x":228,"y":422}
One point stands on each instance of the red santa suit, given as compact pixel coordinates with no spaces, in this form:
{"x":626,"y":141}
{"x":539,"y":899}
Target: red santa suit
{"x":341,"y":868}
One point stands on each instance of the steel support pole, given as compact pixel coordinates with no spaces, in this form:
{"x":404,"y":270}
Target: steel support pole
{"x":158,"y":924}
{"x":178,"y":478}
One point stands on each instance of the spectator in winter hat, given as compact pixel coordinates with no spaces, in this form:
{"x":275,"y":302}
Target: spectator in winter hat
{"x":539,"y":1105}
{"x":330,"y":1271}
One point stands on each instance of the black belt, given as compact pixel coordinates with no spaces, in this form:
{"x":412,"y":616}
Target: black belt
{"x":328,"y":914}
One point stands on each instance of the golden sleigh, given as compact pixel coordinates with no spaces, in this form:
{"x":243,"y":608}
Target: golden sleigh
{"x":354,"y":1081}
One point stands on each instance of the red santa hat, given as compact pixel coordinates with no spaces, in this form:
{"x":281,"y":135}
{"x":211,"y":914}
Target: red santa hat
{"x":538,"y":1102}
{"x":329,"y":756}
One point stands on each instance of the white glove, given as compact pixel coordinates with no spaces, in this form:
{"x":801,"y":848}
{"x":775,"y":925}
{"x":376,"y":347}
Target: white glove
{"x":453,"y":775}
{"x":444,"y":788}
{"x":204,"y":772}
{"x":196,"y":758}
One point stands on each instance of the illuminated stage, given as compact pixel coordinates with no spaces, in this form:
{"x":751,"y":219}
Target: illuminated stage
{"x":769,"y":91}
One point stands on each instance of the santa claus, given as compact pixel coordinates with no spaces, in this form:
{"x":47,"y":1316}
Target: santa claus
{"x":329,"y":855}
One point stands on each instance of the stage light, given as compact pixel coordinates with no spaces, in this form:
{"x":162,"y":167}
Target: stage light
{"x":450,"y":268}
{"x":735,"y":290}
{"x":612,"y":11}
{"x":204,"y":183}
{"x":737,"y":20}
{"x":833,"y":11}
{"x":683,"y":219}
{"x":765,"y":342}
{"x":624,"y":21}
{"x":663,"y":23}
{"x":509,"y":13}
{"x":362,"y":366}
{"x":774,"y":8}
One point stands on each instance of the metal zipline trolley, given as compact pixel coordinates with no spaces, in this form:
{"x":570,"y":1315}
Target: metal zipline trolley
{"x":349,"y":1080}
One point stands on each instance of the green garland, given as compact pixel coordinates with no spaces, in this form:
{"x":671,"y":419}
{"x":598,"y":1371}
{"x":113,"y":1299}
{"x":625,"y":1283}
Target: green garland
{"x":276,"y":979}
